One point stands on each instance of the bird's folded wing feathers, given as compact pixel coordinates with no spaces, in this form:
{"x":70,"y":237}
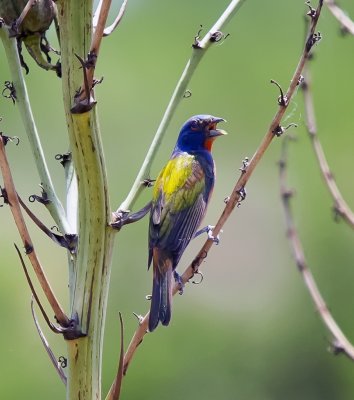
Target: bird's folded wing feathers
{"x":178,"y":204}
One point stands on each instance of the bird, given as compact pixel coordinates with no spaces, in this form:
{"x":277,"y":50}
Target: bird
{"x":180,"y":197}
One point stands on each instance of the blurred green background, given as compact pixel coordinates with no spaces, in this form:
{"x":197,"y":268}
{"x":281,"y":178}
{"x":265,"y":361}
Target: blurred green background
{"x":250,"y":330}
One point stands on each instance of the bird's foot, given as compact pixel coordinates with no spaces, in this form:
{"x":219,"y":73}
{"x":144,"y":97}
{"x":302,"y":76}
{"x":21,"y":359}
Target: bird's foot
{"x":124,"y":217}
{"x":179,"y":281}
{"x":209,"y":230}
{"x":216,"y":239}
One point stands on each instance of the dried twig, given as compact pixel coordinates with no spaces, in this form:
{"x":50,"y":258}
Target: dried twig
{"x":238,"y":192}
{"x":340,"y":343}
{"x":341,"y":16}
{"x":49,"y":351}
{"x":114,"y":391}
{"x":341,"y":207}
{"x":25,"y":236}
{"x":111,"y":28}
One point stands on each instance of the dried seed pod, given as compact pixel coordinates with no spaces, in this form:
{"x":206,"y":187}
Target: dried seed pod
{"x":30,"y":28}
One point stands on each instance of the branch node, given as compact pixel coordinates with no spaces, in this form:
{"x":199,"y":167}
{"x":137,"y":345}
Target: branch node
{"x":43,"y":199}
{"x":4,"y":196}
{"x":148,"y":182}
{"x":139,"y":317}
{"x":218,"y":36}
{"x":83,"y":101}
{"x":336,"y":348}
{"x":282,"y":99}
{"x":201,"y":278}
{"x":63,"y":361}
{"x":28,"y":248}
{"x":9,"y":91}
{"x":242,"y":193}
{"x":312,"y":13}
{"x":312,"y":40}
{"x":245,"y":163}
{"x":279,"y":130}
{"x":187,"y":94}
{"x":196,"y":44}
{"x":63,"y":158}
{"x":301,"y":80}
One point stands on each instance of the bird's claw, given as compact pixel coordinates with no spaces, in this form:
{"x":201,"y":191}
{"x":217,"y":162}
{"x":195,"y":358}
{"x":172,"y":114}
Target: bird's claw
{"x":209,"y":230}
{"x":216,"y":239}
{"x":179,"y":281}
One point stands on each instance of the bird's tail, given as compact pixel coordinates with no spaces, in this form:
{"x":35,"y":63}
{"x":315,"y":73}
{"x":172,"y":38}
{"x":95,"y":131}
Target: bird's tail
{"x":161,"y":299}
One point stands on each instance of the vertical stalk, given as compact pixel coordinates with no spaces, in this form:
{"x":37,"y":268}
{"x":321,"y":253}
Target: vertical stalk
{"x":89,"y":286}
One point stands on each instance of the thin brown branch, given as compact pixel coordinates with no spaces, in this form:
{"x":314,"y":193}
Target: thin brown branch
{"x":54,"y":328}
{"x":114,"y":391}
{"x":99,"y":29}
{"x":341,"y":207}
{"x":345,"y":21}
{"x":58,"y":239}
{"x":45,"y":343}
{"x":25,"y":236}
{"x":237,"y":193}
{"x":340,"y":342}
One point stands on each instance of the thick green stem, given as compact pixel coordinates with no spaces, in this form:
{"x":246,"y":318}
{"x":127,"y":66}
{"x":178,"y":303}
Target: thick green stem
{"x":54,"y":206}
{"x":89,"y":287}
{"x":199,"y":49}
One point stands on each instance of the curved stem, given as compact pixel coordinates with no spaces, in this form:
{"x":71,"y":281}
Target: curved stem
{"x":341,"y":207}
{"x":54,"y":206}
{"x":340,"y":344}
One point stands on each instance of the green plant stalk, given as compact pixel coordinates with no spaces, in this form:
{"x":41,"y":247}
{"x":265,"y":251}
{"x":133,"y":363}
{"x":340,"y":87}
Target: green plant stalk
{"x":92,"y":269}
{"x":198,"y":52}
{"x":54,"y":206}
{"x":71,"y":214}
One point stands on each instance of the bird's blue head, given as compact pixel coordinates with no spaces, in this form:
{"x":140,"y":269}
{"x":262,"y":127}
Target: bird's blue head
{"x":199,"y":133}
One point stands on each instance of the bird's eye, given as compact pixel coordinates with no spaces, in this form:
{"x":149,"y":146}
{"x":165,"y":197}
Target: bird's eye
{"x":196,"y":123}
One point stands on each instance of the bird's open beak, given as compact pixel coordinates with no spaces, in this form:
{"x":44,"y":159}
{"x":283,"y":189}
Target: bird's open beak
{"x":213,"y":131}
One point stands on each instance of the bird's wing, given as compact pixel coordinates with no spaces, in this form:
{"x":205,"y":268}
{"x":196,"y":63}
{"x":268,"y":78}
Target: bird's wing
{"x":178,"y":205}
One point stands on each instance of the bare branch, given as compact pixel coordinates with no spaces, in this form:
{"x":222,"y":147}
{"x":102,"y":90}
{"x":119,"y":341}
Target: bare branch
{"x":34,"y":294}
{"x":25,"y":236}
{"x":340,"y":342}
{"x":105,"y":5}
{"x":114,"y":391}
{"x":341,"y":16}
{"x":238,"y":191}
{"x":341,"y":207}
{"x":67,"y":241}
{"x":111,"y":28}
{"x":49,"y":351}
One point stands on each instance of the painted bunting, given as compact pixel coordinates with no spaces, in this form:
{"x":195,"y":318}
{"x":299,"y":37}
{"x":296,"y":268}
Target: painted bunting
{"x":180,"y":197}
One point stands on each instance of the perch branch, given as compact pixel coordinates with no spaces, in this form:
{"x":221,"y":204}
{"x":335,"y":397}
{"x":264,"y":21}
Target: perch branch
{"x":45,"y":343}
{"x":341,"y":207}
{"x":340,"y":342}
{"x":199,"y":48}
{"x":341,"y":16}
{"x":25,"y":236}
{"x":237,"y":193}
